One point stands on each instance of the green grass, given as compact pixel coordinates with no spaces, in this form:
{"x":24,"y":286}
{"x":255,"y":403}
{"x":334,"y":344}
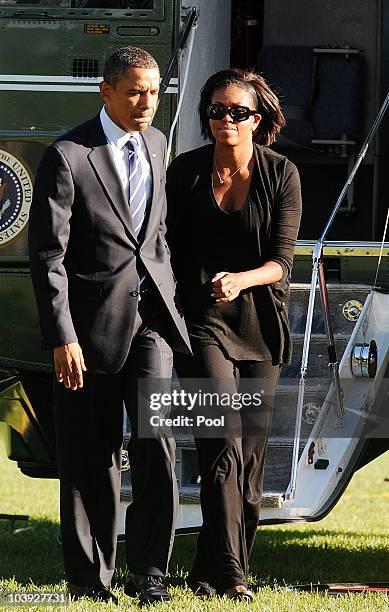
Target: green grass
{"x":351,"y":544}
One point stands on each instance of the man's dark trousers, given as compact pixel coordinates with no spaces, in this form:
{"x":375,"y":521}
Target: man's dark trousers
{"x":89,"y":424}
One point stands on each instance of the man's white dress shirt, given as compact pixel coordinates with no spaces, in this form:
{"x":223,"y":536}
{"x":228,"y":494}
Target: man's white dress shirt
{"x":117,"y":139}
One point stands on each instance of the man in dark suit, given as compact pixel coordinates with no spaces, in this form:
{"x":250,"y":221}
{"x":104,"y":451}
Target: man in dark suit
{"x":107,"y":303}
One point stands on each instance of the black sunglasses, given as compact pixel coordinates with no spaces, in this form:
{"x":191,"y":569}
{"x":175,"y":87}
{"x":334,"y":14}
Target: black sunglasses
{"x":237,"y":113}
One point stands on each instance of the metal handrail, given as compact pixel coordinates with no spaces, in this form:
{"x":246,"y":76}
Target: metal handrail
{"x":318,"y":276}
{"x":190,"y":22}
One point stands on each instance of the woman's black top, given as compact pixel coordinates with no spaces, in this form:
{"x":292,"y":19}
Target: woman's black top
{"x":204,"y":239}
{"x":228,"y":244}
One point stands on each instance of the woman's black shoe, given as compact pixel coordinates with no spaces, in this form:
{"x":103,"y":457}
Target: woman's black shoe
{"x":245,"y":595}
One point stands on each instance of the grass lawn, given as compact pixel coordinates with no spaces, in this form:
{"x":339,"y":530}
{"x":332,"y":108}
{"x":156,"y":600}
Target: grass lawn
{"x":351,"y":544}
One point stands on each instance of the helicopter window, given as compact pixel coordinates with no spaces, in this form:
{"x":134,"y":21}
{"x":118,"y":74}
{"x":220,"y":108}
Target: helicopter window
{"x":35,"y":2}
{"x":92,"y":4}
{"x":113,"y":4}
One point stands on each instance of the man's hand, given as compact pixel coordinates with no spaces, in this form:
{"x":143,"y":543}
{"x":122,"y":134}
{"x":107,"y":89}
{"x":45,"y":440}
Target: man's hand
{"x":227,"y":286}
{"x":69,"y":365}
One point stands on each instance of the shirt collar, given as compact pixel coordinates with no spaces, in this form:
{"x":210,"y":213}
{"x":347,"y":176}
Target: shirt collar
{"x":114,"y":133}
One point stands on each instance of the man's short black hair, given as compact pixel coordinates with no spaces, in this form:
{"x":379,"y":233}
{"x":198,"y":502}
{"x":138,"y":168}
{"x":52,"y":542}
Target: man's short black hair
{"x":126,"y":57}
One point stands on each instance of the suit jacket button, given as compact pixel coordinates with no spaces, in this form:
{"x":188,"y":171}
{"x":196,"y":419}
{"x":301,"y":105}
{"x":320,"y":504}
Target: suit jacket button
{"x":134,"y":293}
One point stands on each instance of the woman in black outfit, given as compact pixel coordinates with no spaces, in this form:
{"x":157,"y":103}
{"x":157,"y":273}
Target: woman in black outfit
{"x":234,"y":210}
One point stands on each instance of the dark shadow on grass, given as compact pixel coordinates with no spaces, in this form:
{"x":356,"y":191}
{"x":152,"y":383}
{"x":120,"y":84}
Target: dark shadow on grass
{"x":30,"y":552}
{"x":293,"y":557}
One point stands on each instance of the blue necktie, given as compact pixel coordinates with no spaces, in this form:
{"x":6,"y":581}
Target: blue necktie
{"x":137,"y":189}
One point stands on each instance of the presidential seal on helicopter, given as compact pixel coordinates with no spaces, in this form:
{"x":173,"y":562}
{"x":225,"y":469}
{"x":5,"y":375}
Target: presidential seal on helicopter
{"x":15,"y":196}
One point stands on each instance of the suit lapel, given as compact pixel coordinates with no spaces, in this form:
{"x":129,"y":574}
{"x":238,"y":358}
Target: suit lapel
{"x":104,"y":167}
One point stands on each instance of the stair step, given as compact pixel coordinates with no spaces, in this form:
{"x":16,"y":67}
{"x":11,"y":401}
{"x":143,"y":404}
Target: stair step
{"x":191,"y":495}
{"x":187,"y":495}
{"x":285,"y":408}
{"x":272,"y":500}
{"x":278,"y":464}
{"x":318,"y":356}
{"x":338,"y":295}
{"x":276,"y":476}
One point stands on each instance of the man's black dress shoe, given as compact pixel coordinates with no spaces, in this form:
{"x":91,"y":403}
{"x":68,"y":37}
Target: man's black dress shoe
{"x":150,"y":588}
{"x":97,"y":593}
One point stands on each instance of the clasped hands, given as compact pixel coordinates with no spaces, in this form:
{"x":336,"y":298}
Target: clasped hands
{"x":69,"y":365}
{"x":226,"y":286}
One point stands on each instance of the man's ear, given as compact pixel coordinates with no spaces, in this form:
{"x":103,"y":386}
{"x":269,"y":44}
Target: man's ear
{"x":105,"y":90}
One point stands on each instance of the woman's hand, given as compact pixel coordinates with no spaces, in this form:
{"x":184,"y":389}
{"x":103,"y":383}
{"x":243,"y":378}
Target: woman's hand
{"x":227,"y":286}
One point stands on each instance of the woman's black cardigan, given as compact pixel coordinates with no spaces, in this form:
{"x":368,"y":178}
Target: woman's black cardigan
{"x":276,"y":192}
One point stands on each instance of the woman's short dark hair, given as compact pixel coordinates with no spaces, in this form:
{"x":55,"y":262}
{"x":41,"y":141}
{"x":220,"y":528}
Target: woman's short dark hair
{"x":266,"y":102}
